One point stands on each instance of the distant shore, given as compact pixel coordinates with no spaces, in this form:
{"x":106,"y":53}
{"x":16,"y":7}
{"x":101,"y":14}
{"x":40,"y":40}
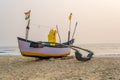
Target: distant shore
{"x":26,"y":68}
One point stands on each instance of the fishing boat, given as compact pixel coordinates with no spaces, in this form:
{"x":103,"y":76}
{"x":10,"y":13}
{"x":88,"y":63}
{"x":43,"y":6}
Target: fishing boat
{"x":51,"y":48}
{"x":46,"y":49}
{"x":42,"y":49}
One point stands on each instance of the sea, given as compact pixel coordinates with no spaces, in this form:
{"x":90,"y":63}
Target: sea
{"x":99,"y":50}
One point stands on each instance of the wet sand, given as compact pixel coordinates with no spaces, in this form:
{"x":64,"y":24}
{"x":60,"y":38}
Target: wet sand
{"x":26,"y":68}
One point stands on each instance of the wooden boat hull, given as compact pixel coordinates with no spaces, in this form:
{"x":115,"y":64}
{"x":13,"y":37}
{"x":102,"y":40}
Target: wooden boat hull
{"x":46,"y":51}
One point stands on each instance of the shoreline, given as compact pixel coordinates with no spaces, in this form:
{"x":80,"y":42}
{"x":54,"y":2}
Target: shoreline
{"x":27,"y":68}
{"x":72,"y":54}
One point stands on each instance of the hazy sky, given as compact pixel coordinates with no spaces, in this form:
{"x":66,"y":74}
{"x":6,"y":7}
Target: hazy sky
{"x":98,"y":20}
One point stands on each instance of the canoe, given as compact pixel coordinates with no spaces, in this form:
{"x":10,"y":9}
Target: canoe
{"x":42,"y":50}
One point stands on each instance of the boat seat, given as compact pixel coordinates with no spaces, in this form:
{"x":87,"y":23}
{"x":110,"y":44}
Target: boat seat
{"x":36,"y":45}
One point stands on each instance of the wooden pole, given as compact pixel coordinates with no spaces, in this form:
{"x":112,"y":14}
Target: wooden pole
{"x":69,"y":30}
{"x":58,"y":34}
{"x":74,"y":30}
{"x":27,"y":30}
{"x":70,"y":16}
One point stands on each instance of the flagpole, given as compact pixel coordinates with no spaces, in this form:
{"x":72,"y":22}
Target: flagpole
{"x":27,"y":30}
{"x":70,"y":16}
{"x":27,"y":27}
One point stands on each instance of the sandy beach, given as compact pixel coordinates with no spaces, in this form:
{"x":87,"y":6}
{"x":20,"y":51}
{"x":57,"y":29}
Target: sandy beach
{"x":26,"y":68}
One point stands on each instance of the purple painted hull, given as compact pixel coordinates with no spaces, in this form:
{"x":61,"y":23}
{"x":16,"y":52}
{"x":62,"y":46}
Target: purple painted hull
{"x":45,"y":51}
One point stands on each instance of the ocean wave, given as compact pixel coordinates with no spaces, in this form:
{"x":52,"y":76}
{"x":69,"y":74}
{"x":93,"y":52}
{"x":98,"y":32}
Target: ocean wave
{"x":2,"y":52}
{"x":107,"y":55}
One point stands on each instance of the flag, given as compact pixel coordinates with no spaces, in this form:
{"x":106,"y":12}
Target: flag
{"x":70,"y":16}
{"x":28,"y":12}
{"x":27,"y":15}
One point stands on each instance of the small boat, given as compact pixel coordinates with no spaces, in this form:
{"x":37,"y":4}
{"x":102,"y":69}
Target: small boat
{"x":51,"y":48}
{"x":42,"y":49}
